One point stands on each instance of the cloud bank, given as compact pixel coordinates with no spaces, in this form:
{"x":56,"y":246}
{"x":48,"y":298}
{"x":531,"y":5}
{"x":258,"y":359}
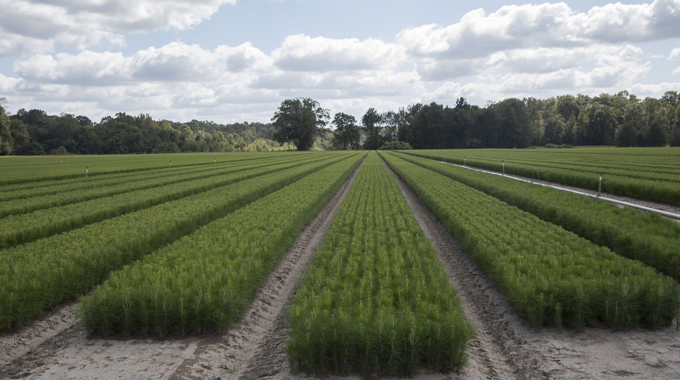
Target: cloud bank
{"x":516,"y":51}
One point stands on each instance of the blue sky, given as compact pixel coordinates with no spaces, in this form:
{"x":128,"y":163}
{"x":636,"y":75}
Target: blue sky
{"x":236,"y":60}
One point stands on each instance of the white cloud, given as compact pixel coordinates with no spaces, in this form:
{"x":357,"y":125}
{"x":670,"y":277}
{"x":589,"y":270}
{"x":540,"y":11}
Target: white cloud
{"x":675,"y":53}
{"x":518,"y":51}
{"x":303,"y":53}
{"x":677,"y":70}
{"x":33,"y":26}
{"x":544,"y":25}
{"x":174,"y":62}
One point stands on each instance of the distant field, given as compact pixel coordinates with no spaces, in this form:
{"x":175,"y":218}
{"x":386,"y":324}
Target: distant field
{"x":646,"y":173}
{"x":20,"y":169}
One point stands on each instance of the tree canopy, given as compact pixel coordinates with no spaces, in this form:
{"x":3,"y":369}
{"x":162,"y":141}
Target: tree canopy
{"x":622,"y":119}
{"x":300,"y":121}
{"x":347,"y":134}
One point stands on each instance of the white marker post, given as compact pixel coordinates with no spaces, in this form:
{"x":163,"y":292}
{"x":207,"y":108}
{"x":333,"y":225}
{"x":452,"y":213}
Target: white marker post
{"x":503,"y":163}
{"x":599,"y":188}
{"x":169,"y":163}
{"x":87,"y":168}
{"x":465,"y":161}
{"x":216,"y":160}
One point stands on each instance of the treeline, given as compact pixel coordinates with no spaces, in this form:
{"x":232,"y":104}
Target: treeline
{"x":34,"y":133}
{"x":622,"y":119}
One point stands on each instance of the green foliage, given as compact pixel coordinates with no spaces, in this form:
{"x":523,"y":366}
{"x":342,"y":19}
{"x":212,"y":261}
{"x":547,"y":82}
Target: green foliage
{"x":371,"y":122}
{"x":299,"y":121}
{"x":626,"y":135}
{"x":638,"y":235}
{"x":203,"y":282}
{"x":262,"y":145}
{"x":18,"y":229}
{"x":555,"y":146}
{"x":396,"y":145}
{"x":550,"y":276}
{"x":34,"y":171}
{"x":644,"y":173}
{"x":347,"y":134}
{"x":54,"y":196}
{"x":44,"y":273}
{"x":376,"y":299}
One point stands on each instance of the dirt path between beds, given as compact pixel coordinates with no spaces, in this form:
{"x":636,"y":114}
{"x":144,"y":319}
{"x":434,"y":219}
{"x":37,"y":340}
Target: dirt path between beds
{"x":57,"y":346}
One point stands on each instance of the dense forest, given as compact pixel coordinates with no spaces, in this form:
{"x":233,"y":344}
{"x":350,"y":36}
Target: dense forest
{"x":34,"y":132}
{"x":622,"y":119}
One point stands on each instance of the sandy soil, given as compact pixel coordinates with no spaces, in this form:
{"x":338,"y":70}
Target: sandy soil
{"x":57,"y":346}
{"x":656,"y":205}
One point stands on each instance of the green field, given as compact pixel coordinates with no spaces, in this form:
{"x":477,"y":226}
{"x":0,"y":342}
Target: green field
{"x":646,"y":173}
{"x":161,"y":250}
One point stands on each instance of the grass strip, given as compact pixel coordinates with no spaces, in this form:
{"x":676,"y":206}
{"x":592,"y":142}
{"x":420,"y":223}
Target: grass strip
{"x":37,"y":276}
{"x":376,"y":299}
{"x":549,"y":275}
{"x":631,"y":233}
{"x":203,"y":282}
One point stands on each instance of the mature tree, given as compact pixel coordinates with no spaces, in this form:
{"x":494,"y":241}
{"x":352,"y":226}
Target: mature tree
{"x":602,"y":126}
{"x":554,"y":129}
{"x":347,"y":133}
{"x":394,"y":121}
{"x":372,"y":127}
{"x":626,"y":135}
{"x":299,"y":121}
{"x":656,"y":136}
{"x":6,"y":140}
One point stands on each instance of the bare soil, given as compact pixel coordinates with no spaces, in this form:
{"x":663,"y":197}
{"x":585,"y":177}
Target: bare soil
{"x":57,"y":346}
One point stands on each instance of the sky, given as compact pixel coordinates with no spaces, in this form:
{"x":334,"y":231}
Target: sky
{"x":237,"y":60}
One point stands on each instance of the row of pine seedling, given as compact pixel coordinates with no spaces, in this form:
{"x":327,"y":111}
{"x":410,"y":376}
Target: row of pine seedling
{"x":552,"y":277}
{"x":43,"y":273}
{"x":644,"y":236}
{"x":653,"y":190}
{"x":376,"y":299}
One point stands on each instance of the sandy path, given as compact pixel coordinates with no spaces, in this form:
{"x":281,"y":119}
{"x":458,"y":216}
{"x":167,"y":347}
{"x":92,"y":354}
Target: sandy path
{"x":656,"y":205}
{"x":506,"y":347}
{"x":57,"y":347}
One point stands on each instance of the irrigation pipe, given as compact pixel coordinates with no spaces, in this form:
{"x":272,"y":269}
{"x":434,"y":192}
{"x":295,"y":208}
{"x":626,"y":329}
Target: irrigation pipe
{"x":622,"y":203}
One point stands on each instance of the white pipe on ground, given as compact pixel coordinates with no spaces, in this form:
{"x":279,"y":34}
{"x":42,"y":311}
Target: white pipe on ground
{"x":622,"y":203}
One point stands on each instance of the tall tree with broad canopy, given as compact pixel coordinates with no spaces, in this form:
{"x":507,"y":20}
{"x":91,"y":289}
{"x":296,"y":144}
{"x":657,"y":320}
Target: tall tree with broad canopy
{"x":347,"y":133}
{"x":299,"y":121}
{"x":371,"y":122}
